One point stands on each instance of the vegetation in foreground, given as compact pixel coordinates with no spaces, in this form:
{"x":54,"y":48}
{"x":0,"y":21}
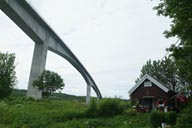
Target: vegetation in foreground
{"x":23,"y":112}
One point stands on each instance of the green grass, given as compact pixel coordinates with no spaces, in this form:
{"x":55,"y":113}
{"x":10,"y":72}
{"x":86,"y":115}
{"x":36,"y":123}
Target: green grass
{"x":19,"y":111}
{"x":23,"y":112}
{"x":66,"y":111}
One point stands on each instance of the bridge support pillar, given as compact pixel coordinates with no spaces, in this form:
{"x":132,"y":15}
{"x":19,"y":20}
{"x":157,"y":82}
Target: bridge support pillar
{"x":37,"y":67}
{"x":25,"y":17}
{"x":88,"y":97}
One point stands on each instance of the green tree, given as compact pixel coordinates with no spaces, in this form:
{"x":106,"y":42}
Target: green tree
{"x":164,"y":71}
{"x":179,"y":11}
{"x":48,"y":82}
{"x":7,"y":74}
{"x":151,"y":68}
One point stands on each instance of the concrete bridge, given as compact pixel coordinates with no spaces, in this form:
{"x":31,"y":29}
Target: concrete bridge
{"x":22,"y":14}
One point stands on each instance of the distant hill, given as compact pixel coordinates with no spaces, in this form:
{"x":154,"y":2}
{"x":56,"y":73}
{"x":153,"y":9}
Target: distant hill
{"x":17,"y":92}
{"x":56,"y":96}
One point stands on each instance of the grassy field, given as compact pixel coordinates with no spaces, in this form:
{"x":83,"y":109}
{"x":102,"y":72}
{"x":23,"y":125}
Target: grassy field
{"x":28,"y":113}
{"x":18,"y":111}
{"x":23,"y":112}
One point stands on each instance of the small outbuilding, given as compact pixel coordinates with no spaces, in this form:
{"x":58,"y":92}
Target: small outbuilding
{"x":149,"y":93}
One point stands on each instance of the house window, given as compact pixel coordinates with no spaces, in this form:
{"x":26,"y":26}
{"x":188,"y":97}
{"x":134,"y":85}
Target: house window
{"x":147,"y":84}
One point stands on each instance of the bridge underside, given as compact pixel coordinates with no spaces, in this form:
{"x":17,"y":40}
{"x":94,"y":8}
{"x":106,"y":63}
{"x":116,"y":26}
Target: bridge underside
{"x":45,"y":39}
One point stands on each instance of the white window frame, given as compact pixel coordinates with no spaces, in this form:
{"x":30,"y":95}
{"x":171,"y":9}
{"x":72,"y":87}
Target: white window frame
{"x":147,"y":84}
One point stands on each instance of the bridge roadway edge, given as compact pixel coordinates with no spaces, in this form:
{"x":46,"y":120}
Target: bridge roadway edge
{"x":24,"y":16}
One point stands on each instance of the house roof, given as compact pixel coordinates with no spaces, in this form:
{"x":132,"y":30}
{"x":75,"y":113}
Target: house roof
{"x":163,"y":87}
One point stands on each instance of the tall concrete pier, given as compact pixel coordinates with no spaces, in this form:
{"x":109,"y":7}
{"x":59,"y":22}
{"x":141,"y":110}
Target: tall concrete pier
{"x":22,"y":14}
{"x":37,"y":67}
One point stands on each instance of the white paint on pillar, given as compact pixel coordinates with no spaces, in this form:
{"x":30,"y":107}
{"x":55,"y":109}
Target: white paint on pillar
{"x":88,"y":97}
{"x":37,"y":67}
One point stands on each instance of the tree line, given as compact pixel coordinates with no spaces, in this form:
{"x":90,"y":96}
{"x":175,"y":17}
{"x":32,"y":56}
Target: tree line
{"x":176,"y":69}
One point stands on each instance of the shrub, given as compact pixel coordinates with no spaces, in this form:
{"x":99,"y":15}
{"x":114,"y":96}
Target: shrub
{"x":92,"y":110}
{"x":131,"y":112}
{"x":105,"y":107}
{"x":3,"y":111}
{"x":184,"y":119}
{"x":110,"y":107}
{"x":156,"y":118}
{"x":172,"y":118}
{"x":97,"y":123}
{"x":67,"y":115}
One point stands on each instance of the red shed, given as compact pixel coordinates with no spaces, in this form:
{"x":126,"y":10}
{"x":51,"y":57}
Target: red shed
{"x":148,"y":93}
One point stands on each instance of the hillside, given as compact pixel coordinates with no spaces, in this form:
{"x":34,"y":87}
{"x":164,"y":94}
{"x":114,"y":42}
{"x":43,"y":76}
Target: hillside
{"x":56,"y":96}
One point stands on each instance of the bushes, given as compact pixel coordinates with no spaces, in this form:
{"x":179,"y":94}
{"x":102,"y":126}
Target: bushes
{"x":131,"y":112}
{"x":4,"y":113}
{"x":157,"y":117}
{"x":92,"y":110}
{"x":184,"y":119}
{"x":172,"y":118}
{"x":110,"y":107}
{"x":106,"y":107}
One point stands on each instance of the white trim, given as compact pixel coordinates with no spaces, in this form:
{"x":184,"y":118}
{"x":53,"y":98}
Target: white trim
{"x":152,"y":80}
{"x":147,"y":84}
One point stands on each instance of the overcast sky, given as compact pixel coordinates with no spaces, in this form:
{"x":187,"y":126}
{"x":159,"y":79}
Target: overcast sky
{"x":112,"y":38}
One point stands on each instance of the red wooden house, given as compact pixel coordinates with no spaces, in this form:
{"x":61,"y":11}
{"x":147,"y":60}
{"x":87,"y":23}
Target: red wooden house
{"x":148,"y":93}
